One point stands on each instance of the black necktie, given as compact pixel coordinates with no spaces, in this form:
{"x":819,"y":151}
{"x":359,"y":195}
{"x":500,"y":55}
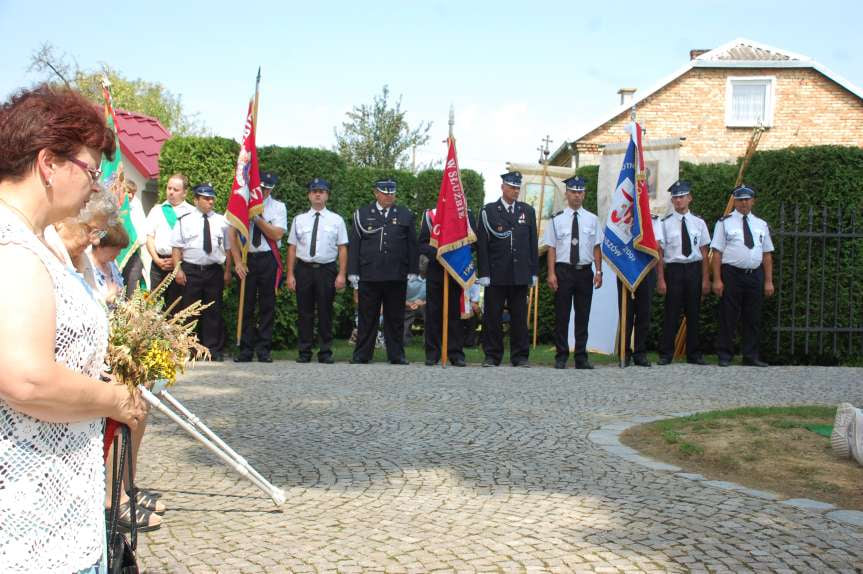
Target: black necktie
{"x":208,"y":241}
{"x":573,"y":244}
{"x":684,"y":234}
{"x":256,"y":235}
{"x":384,"y":213}
{"x":314,"y":246}
{"x":747,"y":234}
{"x":509,"y":209}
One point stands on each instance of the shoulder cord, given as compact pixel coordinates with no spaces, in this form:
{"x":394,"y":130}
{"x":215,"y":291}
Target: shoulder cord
{"x":368,"y":230}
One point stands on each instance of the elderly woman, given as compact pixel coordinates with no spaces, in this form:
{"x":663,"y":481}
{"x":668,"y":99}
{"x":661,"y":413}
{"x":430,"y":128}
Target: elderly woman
{"x":109,"y":280}
{"x":52,"y":403}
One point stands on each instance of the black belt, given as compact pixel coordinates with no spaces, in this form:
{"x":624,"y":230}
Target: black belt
{"x":578,"y":267}
{"x":740,"y":269}
{"x":260,"y":253}
{"x":197,"y":267}
{"x":682,"y":263}
{"x":314,"y":265}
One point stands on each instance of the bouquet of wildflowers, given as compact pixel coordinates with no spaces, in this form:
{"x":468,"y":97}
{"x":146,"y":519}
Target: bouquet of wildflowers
{"x":146,"y":345}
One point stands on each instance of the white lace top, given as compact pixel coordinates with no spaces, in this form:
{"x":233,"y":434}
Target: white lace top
{"x":52,"y":478}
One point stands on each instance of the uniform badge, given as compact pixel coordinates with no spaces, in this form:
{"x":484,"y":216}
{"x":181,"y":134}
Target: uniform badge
{"x":395,"y":221}
{"x":521,"y":217}
{"x":500,"y":227}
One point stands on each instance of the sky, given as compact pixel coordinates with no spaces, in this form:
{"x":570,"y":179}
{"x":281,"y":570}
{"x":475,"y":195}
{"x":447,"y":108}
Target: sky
{"x":515,"y":72}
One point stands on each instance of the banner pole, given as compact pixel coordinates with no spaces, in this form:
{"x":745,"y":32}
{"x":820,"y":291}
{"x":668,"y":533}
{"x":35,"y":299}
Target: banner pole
{"x":544,"y":150}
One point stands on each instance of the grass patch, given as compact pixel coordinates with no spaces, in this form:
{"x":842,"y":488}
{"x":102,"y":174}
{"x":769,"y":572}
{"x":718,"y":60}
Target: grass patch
{"x":768,"y":448}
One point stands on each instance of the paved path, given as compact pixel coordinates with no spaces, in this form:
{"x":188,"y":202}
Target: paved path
{"x":417,"y":469}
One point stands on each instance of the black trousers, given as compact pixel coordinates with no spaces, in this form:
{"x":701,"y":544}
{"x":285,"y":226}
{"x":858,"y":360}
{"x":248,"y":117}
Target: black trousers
{"x":638,"y":315}
{"x":574,"y":288}
{"x":434,"y":321}
{"x":316,"y":290}
{"x":683,"y":283}
{"x":133,"y":272}
{"x":515,"y":298}
{"x":470,"y":331}
{"x":174,"y":290}
{"x":205,"y":283}
{"x":741,"y":302}
{"x":373,"y":294}
{"x":257,"y":335}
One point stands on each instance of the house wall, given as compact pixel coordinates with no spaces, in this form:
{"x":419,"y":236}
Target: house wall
{"x":809,"y":110}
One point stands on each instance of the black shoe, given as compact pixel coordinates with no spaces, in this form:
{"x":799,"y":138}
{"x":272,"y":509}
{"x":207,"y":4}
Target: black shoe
{"x":640,"y":361}
{"x":243,"y":359}
{"x":458,"y":363}
{"x":696,"y":361}
{"x":304,"y":359}
{"x":430,"y":363}
{"x":724,"y":362}
{"x":326,"y":360}
{"x":523,"y":364}
{"x":560,"y":364}
{"x":265,"y":359}
{"x":359,"y":362}
{"x":488,"y":363}
{"x":401,"y":361}
{"x":754,"y":362}
{"x":216,"y":357}
{"x":663,"y":361}
{"x":583,"y":365}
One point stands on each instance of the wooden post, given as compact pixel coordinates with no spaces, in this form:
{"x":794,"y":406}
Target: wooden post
{"x":535,"y":290}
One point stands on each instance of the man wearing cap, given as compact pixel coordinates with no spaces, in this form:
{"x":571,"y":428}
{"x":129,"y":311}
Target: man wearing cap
{"x":742,"y":276}
{"x":382,"y":254}
{"x":638,"y":306}
{"x":507,"y":265}
{"x":160,"y":222}
{"x":263,"y":261}
{"x":686,"y":273}
{"x":198,"y":240}
{"x":435,"y":276}
{"x":317,"y":266}
{"x":573,"y":238}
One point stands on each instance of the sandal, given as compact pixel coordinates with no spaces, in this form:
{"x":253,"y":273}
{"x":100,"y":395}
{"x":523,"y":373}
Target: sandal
{"x":146,"y":520}
{"x":150,"y":501}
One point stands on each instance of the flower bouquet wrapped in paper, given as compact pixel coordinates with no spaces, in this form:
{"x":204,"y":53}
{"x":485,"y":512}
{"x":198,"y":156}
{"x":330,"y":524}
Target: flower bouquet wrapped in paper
{"x":145,"y":345}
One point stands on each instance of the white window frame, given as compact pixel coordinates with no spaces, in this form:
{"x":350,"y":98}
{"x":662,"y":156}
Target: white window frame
{"x":769,"y":97}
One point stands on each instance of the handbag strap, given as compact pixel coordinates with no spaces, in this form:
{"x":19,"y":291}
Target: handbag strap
{"x":122,"y":463}
{"x":131,"y":490}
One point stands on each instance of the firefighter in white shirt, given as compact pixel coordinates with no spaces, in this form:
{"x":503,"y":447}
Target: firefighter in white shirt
{"x":160,"y":224}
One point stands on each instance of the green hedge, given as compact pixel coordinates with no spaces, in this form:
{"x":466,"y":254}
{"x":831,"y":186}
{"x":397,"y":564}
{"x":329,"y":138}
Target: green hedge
{"x":213,"y":160}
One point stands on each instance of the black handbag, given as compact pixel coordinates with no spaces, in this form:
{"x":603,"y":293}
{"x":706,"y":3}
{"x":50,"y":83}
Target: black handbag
{"x":121,"y":553}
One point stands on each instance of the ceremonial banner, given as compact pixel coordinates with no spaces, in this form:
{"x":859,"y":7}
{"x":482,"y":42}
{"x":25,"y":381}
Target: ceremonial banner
{"x":629,"y":245}
{"x":451,"y":233}
{"x":246,"y":199}
{"x":113,"y":179}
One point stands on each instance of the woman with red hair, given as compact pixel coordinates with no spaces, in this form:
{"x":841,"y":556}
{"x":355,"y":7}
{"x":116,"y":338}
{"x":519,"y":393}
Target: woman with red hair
{"x":53,"y":339}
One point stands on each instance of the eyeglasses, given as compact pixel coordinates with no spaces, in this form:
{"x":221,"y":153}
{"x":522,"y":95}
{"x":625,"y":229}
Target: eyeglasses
{"x":95,"y":174}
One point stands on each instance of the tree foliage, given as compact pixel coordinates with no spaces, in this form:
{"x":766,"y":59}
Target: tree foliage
{"x":140,"y":96}
{"x":378,"y":135}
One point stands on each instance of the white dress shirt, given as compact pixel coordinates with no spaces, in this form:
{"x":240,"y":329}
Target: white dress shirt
{"x":275,"y":213}
{"x":728,"y":238}
{"x":331,"y":233}
{"x":558,"y":234}
{"x":158,"y":228}
{"x":188,"y":235}
{"x":699,"y":236}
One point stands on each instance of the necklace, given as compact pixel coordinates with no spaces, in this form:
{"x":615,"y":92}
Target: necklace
{"x":22,"y":216}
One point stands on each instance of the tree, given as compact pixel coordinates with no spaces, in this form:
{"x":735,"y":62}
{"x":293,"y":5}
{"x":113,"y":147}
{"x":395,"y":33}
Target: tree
{"x":378,"y":135}
{"x":140,"y":96}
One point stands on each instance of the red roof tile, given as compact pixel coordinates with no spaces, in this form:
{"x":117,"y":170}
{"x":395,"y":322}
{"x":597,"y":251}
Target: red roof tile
{"x":141,"y":139}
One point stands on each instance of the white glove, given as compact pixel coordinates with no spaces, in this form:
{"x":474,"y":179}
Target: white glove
{"x":354,"y":280}
{"x":533,"y":280}
{"x":484,"y":281}
{"x":412,"y":276}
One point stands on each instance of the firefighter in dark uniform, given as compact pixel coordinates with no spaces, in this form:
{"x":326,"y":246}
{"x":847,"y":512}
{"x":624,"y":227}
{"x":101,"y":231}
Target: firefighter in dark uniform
{"x":573,"y":238}
{"x":742,"y":276}
{"x":507,"y":265}
{"x":260,"y":274}
{"x":638,"y":305}
{"x":686,"y":274}
{"x":382,"y":254}
{"x":434,"y":302}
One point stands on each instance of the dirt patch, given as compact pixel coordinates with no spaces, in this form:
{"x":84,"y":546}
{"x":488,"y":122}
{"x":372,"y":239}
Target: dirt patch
{"x":763,"y":448}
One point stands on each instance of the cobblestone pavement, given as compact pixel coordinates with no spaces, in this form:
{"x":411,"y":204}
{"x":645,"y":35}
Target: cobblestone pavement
{"x":417,"y":469}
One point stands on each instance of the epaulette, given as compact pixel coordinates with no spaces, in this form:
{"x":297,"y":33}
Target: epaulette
{"x":667,"y":216}
{"x":556,"y":214}
{"x":654,"y":216}
{"x":724,"y":217}
{"x":184,"y":215}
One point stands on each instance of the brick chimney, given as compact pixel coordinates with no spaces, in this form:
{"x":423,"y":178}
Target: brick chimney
{"x":626,"y":95}
{"x":695,"y":53}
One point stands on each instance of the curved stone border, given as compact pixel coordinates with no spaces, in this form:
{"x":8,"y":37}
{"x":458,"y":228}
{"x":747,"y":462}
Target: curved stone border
{"x":608,"y":437}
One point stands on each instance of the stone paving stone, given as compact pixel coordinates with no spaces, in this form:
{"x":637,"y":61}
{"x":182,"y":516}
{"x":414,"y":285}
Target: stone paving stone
{"x":401,"y":469}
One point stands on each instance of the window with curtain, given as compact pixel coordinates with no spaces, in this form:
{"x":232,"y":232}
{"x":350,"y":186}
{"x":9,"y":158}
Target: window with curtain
{"x":749,"y":101}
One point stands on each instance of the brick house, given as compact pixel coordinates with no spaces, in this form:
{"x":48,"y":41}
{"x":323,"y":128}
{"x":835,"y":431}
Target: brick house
{"x":720,"y":95}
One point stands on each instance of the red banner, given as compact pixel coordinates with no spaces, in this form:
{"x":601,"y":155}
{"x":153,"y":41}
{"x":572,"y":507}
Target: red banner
{"x":246,"y":199}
